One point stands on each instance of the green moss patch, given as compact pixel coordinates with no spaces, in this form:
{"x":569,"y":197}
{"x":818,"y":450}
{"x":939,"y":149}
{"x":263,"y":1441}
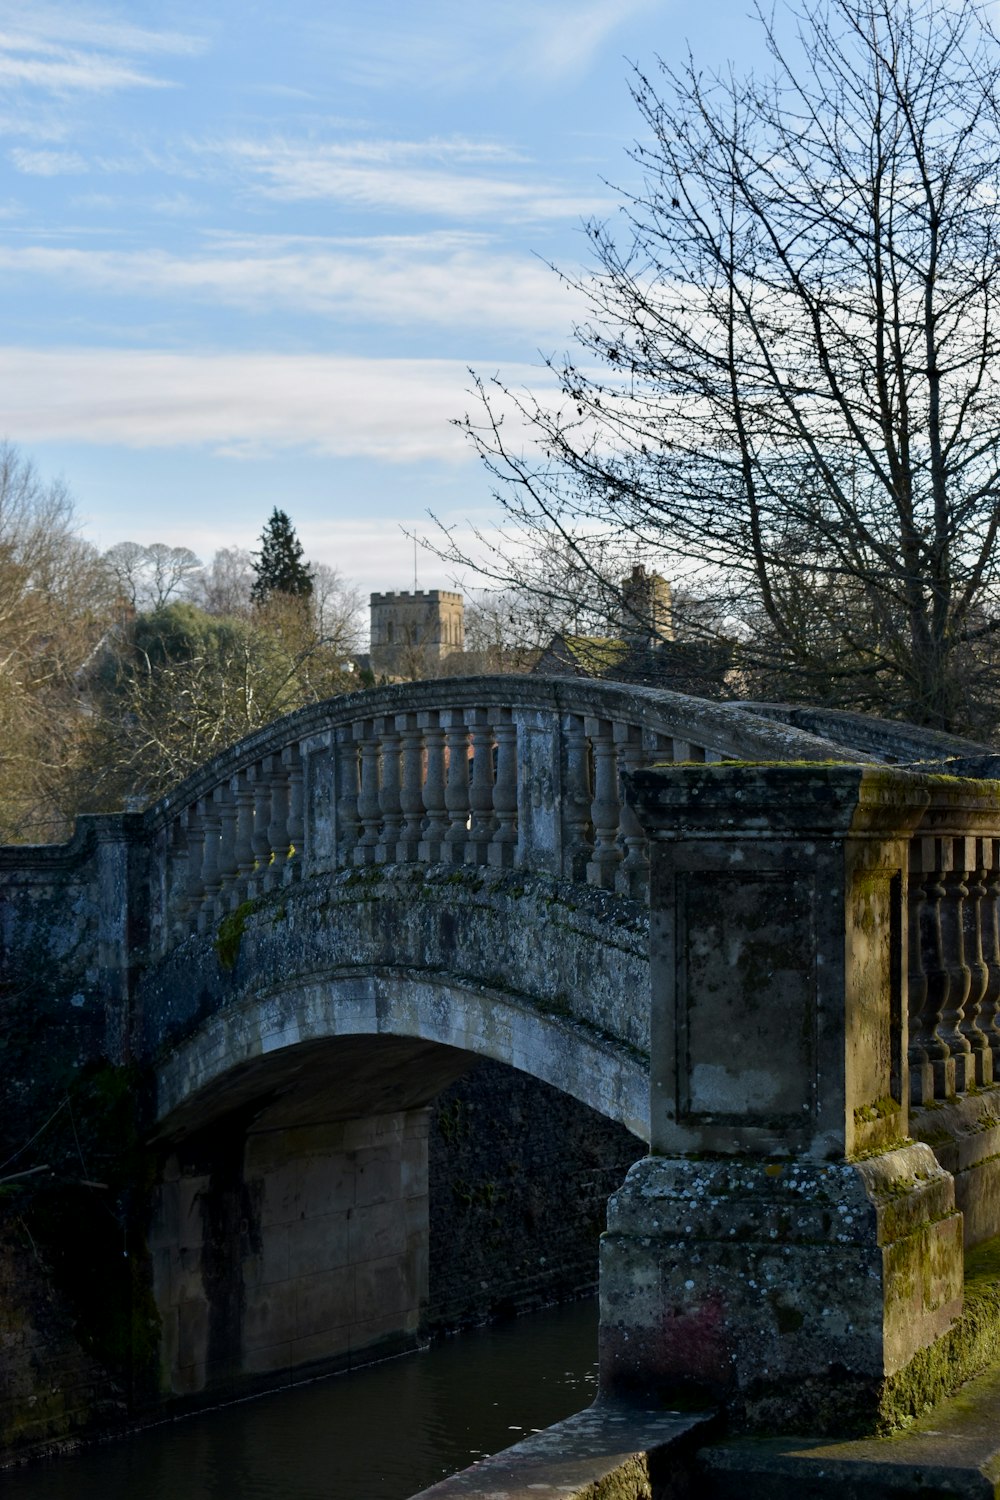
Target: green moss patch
{"x":970,"y":1345}
{"x":230,"y":934}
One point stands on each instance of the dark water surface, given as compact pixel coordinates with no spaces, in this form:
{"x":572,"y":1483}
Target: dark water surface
{"x":377,"y":1434}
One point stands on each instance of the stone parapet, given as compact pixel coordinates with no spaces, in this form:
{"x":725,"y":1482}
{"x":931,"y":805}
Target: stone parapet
{"x":785,"y":1245}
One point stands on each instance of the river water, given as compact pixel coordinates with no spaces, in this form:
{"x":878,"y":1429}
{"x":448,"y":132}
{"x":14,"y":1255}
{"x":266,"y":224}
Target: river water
{"x":377,"y":1434}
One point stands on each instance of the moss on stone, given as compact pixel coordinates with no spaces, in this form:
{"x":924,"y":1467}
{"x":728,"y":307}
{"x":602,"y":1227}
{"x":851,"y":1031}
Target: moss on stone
{"x":230,"y":934}
{"x":970,"y":1345}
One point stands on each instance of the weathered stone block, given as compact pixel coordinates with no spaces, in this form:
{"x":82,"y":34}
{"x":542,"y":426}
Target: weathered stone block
{"x":326,"y":1300}
{"x":320,"y":1244}
{"x":760,"y":1280}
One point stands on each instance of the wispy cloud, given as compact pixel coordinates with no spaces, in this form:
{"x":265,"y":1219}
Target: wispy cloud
{"x":426,"y":177}
{"x":68,"y":49}
{"x":398,"y":411}
{"x":451,"y":281}
{"x":472,"y":45}
{"x":47,"y":163}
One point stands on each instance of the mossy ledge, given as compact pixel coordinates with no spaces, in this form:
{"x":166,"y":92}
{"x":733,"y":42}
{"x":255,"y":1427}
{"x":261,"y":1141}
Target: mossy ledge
{"x":970,"y":1345}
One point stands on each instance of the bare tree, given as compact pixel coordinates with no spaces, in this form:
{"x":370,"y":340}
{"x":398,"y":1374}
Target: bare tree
{"x":55,"y":606}
{"x":148,"y":577}
{"x":787,"y":385}
{"x":223,"y":588}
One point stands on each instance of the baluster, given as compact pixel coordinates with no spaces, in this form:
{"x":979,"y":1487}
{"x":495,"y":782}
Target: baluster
{"x":606,"y":806}
{"x":390,"y":804}
{"x":932,"y":1068}
{"x":989,"y":1016}
{"x":292,"y":760}
{"x":369,"y":807}
{"x":577,"y":797}
{"x":212,"y":824}
{"x":228,"y":862}
{"x":982,"y":1057}
{"x":260,"y":779}
{"x":431,"y":849}
{"x":483,"y":822}
{"x":348,"y":788}
{"x":177,"y":875}
{"x":196,"y":856}
{"x":244,"y":797}
{"x":411,"y":796}
{"x":632,"y":878}
{"x":953,"y":905}
{"x":277,"y":827}
{"x":504,"y":841}
{"x":921,"y":1037}
{"x":456,"y":794}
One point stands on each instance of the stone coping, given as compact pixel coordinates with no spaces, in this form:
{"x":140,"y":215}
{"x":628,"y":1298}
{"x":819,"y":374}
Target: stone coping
{"x":952,"y":1450}
{"x":608,"y":1452}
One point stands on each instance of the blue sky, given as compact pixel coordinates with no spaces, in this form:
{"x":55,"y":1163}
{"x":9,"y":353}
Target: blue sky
{"x":248,"y":252}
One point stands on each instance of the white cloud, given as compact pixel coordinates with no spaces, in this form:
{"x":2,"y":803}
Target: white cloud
{"x":64,"y":49}
{"x":406,"y":176}
{"x":47,"y":163}
{"x":371,"y":553}
{"x":468,"y":45}
{"x":243,"y":405}
{"x":446,"y":281}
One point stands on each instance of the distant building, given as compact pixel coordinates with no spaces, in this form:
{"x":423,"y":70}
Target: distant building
{"x":412,"y":633}
{"x":647,"y":608}
{"x":646,"y":652}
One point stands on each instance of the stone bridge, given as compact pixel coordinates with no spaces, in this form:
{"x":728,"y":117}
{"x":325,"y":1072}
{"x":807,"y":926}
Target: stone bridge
{"x":312,"y":937}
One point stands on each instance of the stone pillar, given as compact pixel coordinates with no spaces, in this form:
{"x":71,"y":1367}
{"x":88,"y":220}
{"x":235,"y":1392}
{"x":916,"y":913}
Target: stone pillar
{"x":120,"y":881}
{"x":784,"y":1245}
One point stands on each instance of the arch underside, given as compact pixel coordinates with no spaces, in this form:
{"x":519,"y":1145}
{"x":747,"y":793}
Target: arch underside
{"x":390,"y":1039}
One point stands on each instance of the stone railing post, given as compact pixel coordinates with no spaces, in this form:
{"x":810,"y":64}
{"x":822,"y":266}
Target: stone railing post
{"x":176,"y":925}
{"x":390,"y":805}
{"x":632,"y":878}
{"x":431,"y":845}
{"x":783,"y":1245}
{"x":577,"y":797}
{"x":295,"y":829}
{"x":261,"y":783}
{"x":195,"y":864}
{"x":990,"y":928}
{"x":606,"y":809}
{"x":120,"y":876}
{"x":228,"y":861}
{"x":504,"y":841}
{"x":348,"y":788}
{"x":539,"y":791}
{"x":277,"y":826}
{"x":244,"y":837}
{"x":319,"y":799}
{"x":481,"y":787}
{"x":411,"y":795}
{"x":457,"y":786}
{"x":369,"y":806}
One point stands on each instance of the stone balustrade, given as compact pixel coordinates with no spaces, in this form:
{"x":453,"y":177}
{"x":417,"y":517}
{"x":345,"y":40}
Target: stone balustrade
{"x":493,"y":772}
{"x":954,"y":940}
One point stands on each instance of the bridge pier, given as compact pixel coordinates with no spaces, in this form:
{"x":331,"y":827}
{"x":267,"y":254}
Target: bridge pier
{"x":290,"y":1249}
{"x":785,"y":1245}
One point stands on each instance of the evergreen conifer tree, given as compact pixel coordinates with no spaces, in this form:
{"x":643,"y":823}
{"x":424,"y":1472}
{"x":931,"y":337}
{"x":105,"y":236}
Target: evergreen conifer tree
{"x":278,"y":566}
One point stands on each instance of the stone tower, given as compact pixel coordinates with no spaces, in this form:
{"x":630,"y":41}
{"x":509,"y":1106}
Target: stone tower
{"x":411,"y":633}
{"x":647,"y":608}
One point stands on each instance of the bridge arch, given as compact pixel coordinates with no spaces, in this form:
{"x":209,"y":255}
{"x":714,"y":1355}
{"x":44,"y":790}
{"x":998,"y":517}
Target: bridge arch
{"x":242,"y":1052}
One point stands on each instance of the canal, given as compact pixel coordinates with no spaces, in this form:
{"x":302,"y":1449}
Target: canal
{"x":381,"y":1433}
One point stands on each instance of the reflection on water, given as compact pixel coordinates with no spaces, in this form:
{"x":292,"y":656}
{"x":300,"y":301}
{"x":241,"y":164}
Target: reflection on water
{"x":378,"y":1434}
